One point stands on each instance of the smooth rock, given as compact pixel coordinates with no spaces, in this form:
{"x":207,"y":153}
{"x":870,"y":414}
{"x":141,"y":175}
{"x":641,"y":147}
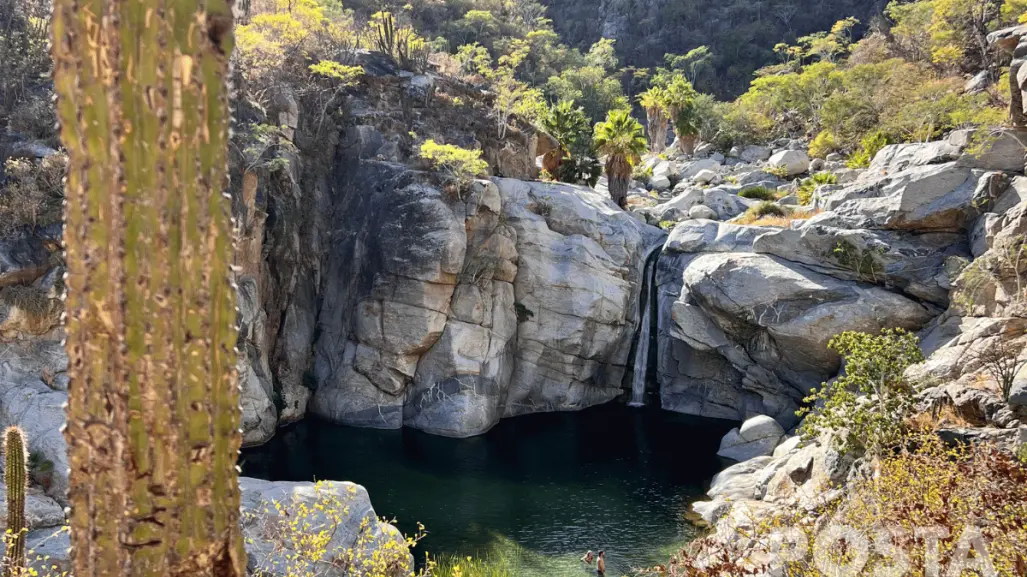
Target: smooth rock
{"x":795,"y":162}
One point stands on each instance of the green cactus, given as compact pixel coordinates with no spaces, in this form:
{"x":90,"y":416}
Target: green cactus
{"x":153,"y":400}
{"x":15,"y":477}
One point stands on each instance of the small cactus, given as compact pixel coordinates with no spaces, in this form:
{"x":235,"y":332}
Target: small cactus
{"x":15,"y":476}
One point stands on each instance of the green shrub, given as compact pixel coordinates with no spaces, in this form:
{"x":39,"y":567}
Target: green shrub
{"x":809,"y":185}
{"x":825,"y":143}
{"x":778,"y":171}
{"x":758,"y":193}
{"x":642,"y":173}
{"x":767,"y":208}
{"x":866,"y":409}
{"x":459,"y":163}
{"x":869,"y":146}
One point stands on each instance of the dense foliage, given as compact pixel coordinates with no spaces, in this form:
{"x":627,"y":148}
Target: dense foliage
{"x":865,"y":409}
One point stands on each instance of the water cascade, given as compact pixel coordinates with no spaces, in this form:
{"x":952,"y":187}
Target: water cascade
{"x":646,"y":342}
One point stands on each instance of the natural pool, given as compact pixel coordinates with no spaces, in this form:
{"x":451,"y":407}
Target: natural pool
{"x":538,"y":490}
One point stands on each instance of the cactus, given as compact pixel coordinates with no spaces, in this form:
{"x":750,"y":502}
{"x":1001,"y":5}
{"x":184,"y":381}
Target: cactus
{"x":15,"y":477}
{"x":153,"y":400}
{"x":385,"y":26}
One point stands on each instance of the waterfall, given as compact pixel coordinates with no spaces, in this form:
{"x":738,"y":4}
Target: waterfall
{"x":649,"y":312}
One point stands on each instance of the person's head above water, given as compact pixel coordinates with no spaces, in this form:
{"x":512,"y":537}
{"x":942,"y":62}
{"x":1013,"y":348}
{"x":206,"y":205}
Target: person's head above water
{"x":602,"y":552}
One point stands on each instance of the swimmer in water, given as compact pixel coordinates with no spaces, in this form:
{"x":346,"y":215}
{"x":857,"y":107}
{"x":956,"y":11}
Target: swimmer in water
{"x":589,"y":557}
{"x":601,"y":565}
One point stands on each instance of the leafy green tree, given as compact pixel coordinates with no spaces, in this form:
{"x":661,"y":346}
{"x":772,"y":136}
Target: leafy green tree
{"x":692,"y":64}
{"x":865,"y":409}
{"x":621,"y":140}
{"x":593,"y":85}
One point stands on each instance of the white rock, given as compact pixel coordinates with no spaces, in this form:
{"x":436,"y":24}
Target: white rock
{"x":794,"y":161}
{"x":706,"y":177}
{"x":701,"y":211}
{"x":692,"y":169}
{"x":757,"y":437}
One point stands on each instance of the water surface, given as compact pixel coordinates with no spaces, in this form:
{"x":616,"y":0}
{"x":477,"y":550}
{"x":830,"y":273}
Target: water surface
{"x":539,"y":489}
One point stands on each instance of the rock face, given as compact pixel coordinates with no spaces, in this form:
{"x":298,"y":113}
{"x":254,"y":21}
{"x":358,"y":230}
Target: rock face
{"x":447,"y":314}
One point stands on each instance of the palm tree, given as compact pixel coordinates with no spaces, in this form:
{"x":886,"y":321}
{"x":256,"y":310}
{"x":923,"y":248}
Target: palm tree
{"x":621,"y":140}
{"x":683,"y":112}
{"x":654,"y":101}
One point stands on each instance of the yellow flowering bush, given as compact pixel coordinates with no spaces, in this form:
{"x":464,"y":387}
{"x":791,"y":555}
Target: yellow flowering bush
{"x":304,"y":539}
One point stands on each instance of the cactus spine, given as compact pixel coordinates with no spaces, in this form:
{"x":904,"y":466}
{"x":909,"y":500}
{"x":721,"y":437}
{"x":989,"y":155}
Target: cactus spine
{"x":15,"y":477}
{"x":153,"y":401}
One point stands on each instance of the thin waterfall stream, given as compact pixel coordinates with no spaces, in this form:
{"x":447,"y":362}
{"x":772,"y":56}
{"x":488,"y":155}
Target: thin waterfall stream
{"x":644,"y":345}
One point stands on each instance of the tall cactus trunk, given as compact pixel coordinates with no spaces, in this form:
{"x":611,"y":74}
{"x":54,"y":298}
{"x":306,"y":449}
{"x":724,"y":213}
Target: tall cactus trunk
{"x":16,"y":478}
{"x":153,"y":402}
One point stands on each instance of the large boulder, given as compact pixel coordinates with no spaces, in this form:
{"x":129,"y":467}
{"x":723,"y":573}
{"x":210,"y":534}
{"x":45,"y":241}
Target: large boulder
{"x":935,"y":197}
{"x":993,"y":150}
{"x":341,"y":510}
{"x":794,"y":162}
{"x":757,"y":437}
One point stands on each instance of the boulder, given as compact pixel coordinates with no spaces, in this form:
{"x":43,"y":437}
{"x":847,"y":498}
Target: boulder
{"x":1018,"y":393}
{"x":753,"y":154}
{"x":701,"y":211}
{"x":936,"y":197}
{"x":706,"y":177}
{"x":705,"y":150}
{"x":663,"y":173}
{"x":795,"y":162}
{"x":726,"y":204}
{"x":692,"y":169}
{"x":679,"y":206}
{"x":40,"y":511}
{"x":757,"y":437}
{"x":353,"y":526}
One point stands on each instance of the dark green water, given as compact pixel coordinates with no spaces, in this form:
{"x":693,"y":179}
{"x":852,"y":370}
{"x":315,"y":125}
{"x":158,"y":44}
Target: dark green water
{"x":539,"y":489}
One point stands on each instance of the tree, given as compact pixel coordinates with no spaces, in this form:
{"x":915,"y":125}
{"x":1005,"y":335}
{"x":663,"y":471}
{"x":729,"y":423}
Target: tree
{"x":865,"y":409}
{"x":681,"y":106}
{"x":592,"y":86}
{"x":692,"y":64}
{"x":621,"y":140}
{"x":654,"y":101}
{"x":1001,"y":361}
{"x":153,"y":401}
